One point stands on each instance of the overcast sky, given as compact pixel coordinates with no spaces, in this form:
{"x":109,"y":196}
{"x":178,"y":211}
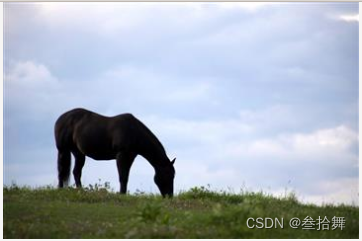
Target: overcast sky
{"x":246,"y":96}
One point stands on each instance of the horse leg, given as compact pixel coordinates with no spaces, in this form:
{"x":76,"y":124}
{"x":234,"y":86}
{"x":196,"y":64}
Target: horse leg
{"x":124,"y":163}
{"x":64,"y":159}
{"x":79,"y":163}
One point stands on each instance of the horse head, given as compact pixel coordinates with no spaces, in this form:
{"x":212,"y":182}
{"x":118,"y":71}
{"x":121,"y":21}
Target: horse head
{"x":164,"y":179}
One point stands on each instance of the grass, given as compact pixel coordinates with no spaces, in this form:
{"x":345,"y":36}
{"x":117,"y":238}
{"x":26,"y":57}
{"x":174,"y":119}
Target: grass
{"x":96,"y":212}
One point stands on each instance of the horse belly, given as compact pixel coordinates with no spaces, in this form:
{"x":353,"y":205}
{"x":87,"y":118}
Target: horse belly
{"x":101,"y":156}
{"x":97,"y":147}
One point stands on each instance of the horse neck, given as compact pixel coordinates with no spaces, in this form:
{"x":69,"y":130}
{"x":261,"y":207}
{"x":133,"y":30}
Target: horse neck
{"x":156,"y":157}
{"x":152,"y":150}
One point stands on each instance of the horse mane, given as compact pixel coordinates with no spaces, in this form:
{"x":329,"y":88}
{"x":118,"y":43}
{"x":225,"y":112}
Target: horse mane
{"x":151,"y":135}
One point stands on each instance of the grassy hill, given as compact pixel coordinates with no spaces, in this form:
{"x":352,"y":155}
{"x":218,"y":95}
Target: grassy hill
{"x":198,"y":213}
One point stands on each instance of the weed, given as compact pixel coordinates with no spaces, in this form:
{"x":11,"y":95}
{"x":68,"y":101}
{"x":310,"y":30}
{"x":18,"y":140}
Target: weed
{"x":97,"y":212}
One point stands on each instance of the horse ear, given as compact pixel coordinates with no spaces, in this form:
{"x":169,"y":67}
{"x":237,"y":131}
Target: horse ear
{"x":173,"y":161}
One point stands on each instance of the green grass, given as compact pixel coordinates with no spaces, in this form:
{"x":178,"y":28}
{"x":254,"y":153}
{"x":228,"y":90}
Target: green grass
{"x":198,"y":213}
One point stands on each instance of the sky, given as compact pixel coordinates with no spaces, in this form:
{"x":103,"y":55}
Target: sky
{"x":246,"y":96}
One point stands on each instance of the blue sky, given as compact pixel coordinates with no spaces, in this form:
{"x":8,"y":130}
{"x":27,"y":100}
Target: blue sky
{"x":247,"y":96}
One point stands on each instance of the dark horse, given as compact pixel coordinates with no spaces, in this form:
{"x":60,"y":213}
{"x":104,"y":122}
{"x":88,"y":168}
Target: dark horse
{"x":122,"y":137}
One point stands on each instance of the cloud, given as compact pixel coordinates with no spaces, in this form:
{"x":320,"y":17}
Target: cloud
{"x":29,"y":75}
{"x":340,"y":138}
{"x":229,"y":149}
{"x":30,"y":83}
{"x":203,"y":131}
{"x":344,"y":190}
{"x":350,"y":18}
{"x":326,"y":150}
{"x":28,"y":86}
{"x":231,"y":155}
{"x":246,"y":6}
{"x":154,"y":86}
{"x":104,"y":18}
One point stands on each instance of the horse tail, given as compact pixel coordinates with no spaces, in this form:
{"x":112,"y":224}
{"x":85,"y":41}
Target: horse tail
{"x":62,"y":141}
{"x":63,"y":130}
{"x":64,"y":162}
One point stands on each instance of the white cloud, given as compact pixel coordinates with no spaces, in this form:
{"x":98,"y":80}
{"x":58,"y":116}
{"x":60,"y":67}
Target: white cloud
{"x":243,"y":138}
{"x":343,"y":190}
{"x":154,"y":86}
{"x":30,"y":88}
{"x":124,"y":18}
{"x":248,"y":6}
{"x":323,"y":145}
{"x":112,"y":19}
{"x":276,"y":114}
{"x":29,"y":74}
{"x":350,"y":18}
{"x":32,"y":84}
{"x":204,"y":131}
{"x":101,"y":17}
{"x":335,"y":139}
{"x":231,"y":156}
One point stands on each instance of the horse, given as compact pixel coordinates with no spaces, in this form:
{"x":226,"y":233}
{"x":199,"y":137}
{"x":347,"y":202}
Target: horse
{"x":122,"y":137}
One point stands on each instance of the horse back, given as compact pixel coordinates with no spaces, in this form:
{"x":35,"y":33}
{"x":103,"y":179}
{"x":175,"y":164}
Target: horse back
{"x":97,"y":136}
